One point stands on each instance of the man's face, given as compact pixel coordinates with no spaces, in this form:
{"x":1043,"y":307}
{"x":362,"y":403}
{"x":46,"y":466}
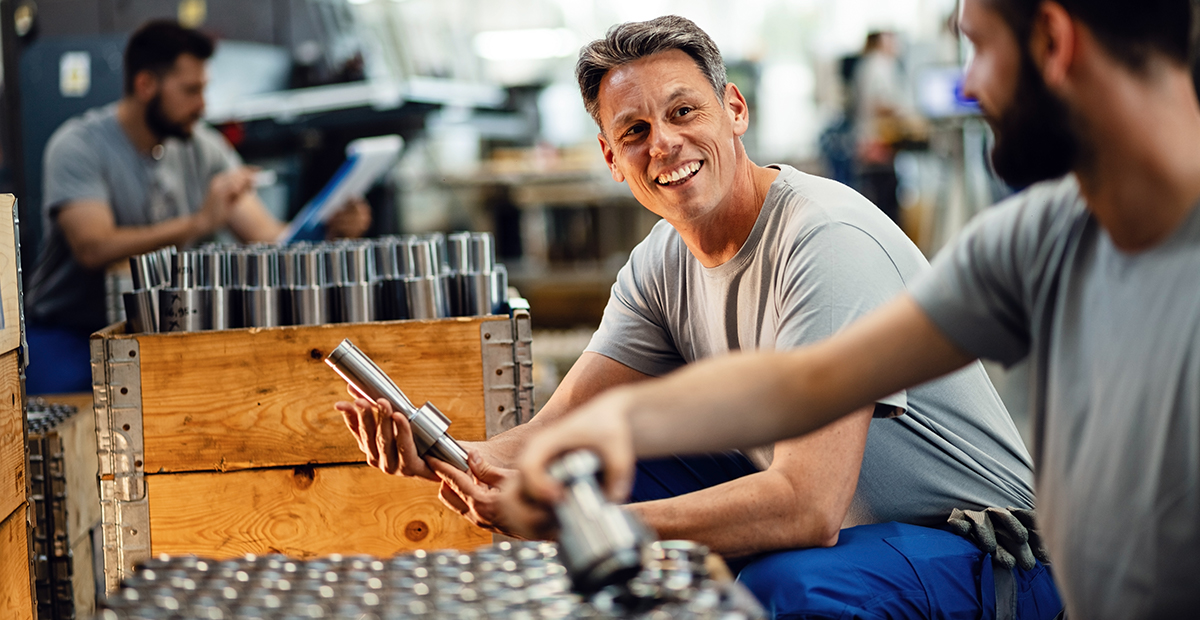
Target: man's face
{"x":178,"y":102}
{"x":1034,"y":138}
{"x":666,"y":133}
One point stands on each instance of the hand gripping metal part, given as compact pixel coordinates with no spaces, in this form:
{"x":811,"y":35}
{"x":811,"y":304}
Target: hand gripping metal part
{"x":600,"y":544}
{"x":429,"y":426}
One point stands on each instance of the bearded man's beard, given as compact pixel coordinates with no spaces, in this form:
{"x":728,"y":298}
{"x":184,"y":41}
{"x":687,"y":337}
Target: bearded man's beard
{"x":163,"y":127}
{"x":1034,"y":140}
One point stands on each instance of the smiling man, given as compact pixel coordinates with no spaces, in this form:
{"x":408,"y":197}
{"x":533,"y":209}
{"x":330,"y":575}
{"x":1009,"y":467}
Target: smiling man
{"x":1090,"y":274}
{"x":142,"y":173}
{"x":761,"y":258}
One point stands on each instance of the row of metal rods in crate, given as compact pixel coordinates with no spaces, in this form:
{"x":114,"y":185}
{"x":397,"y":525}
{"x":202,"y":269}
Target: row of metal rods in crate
{"x":348,"y":281}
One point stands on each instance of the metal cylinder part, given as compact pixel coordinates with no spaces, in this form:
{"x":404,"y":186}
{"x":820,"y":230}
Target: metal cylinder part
{"x":429,"y":426}
{"x":184,"y":309}
{"x":260,"y":296}
{"x":423,"y":261}
{"x":475,"y":293}
{"x":599,"y":543}
{"x":499,"y":289}
{"x":458,"y":252}
{"x":481,"y":252}
{"x":356,"y":302}
{"x":425,"y":298}
{"x":392,"y":303}
{"x":141,"y":311}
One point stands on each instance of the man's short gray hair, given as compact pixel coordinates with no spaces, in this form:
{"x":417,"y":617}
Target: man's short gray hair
{"x":631,"y":41}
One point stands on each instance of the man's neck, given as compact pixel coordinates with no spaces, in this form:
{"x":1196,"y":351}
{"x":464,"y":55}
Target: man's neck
{"x":717,"y":238}
{"x":1141,"y":171}
{"x":131,"y":115}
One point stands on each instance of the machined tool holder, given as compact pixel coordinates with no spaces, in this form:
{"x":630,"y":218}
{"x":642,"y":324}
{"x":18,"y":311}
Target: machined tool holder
{"x":600,"y":543}
{"x":429,"y":425}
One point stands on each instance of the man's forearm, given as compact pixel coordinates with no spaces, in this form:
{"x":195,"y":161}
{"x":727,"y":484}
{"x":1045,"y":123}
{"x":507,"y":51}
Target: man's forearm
{"x":126,"y":241}
{"x":748,"y":515}
{"x":746,"y":400}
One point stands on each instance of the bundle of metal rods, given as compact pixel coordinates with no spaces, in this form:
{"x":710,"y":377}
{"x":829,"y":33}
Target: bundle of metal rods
{"x":508,"y":580}
{"x":396,"y":277}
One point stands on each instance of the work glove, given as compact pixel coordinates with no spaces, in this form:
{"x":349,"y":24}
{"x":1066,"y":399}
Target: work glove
{"x":1011,"y":535}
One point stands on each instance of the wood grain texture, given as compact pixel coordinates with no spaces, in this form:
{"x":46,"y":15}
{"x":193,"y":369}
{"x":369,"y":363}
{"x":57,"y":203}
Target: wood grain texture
{"x":16,"y":599}
{"x":249,"y":398}
{"x":13,"y":482}
{"x":305,"y":512}
{"x":10,"y":336}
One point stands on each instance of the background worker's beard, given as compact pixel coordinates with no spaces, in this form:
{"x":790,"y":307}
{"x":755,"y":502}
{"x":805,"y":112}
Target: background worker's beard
{"x":163,"y":127}
{"x":1034,"y":140}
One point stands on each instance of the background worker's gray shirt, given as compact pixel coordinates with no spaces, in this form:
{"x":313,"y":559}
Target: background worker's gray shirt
{"x":820,"y":256}
{"x":1113,"y":341}
{"x":91,"y":158}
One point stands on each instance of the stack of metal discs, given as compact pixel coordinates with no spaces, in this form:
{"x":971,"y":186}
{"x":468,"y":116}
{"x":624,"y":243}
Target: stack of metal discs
{"x":348,"y":281}
{"x":508,"y":580}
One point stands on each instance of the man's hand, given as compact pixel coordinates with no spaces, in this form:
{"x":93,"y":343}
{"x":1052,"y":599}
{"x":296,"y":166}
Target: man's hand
{"x":602,"y":425}
{"x":351,"y":221}
{"x":385,"y":437}
{"x":225,"y":191}
{"x":475,"y":496}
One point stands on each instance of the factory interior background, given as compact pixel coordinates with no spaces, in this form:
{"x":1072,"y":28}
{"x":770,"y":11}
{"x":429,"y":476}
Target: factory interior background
{"x":496,"y":138}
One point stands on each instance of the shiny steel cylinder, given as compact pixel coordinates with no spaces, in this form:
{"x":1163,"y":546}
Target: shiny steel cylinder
{"x":425,"y":297}
{"x":475,"y":291}
{"x":458,"y":251}
{"x":215,"y":273}
{"x":429,"y":426}
{"x":356,"y":302}
{"x":260,"y":297}
{"x":141,"y":311}
{"x":499,"y":288}
{"x":481,"y":252}
{"x":599,"y":543}
{"x":184,"y":309}
{"x":392,"y":302}
{"x":423,"y":260}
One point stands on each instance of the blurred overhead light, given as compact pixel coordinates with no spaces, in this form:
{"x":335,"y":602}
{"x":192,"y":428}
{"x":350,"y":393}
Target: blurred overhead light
{"x":531,"y":44}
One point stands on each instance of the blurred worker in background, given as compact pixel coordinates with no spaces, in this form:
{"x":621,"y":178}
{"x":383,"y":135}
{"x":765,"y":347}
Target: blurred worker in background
{"x":882,"y":120}
{"x":139,"y":174}
{"x":749,"y":257}
{"x":1090,"y":273}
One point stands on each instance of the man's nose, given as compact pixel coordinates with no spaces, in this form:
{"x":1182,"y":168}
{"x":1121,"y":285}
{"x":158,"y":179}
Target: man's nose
{"x":664,"y":140}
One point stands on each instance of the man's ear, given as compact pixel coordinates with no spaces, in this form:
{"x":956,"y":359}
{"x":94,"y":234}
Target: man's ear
{"x":608,"y":159}
{"x":737,"y":108}
{"x":1052,"y":42}
{"x":145,"y":85}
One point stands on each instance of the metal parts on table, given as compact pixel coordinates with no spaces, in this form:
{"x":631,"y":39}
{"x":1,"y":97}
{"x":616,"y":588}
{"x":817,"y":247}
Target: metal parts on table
{"x":601,"y":543}
{"x":350,"y":281}
{"x":429,"y":426}
{"x":521,"y":581}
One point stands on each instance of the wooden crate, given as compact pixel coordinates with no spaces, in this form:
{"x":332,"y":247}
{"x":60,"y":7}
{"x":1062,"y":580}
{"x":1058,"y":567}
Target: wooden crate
{"x":225,"y":443}
{"x":16,"y":584}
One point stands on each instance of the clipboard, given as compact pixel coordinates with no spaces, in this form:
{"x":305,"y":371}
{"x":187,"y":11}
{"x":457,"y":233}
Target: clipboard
{"x":367,"y":160}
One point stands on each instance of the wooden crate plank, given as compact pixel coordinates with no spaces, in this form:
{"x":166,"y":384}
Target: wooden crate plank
{"x":83,"y":582}
{"x":13,"y":483}
{"x":80,"y":467}
{"x":10,"y":335}
{"x":241,"y":399}
{"x":306,"y":512}
{"x":16,"y":599}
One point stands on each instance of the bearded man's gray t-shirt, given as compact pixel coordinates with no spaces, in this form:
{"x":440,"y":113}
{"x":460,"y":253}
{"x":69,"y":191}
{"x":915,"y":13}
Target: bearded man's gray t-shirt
{"x":90,"y":157}
{"x":1113,"y":344}
{"x":819,"y":257}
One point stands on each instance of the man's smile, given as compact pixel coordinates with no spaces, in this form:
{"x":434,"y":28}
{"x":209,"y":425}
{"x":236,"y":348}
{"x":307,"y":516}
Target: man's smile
{"x":679,"y":175}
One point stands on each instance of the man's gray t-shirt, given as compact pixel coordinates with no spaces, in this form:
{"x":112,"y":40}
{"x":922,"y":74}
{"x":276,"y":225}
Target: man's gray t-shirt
{"x":90,"y":157}
{"x":1113,"y":342}
{"x":820,"y":256}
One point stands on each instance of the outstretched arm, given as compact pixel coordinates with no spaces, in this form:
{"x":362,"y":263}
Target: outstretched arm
{"x":746,"y":400}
